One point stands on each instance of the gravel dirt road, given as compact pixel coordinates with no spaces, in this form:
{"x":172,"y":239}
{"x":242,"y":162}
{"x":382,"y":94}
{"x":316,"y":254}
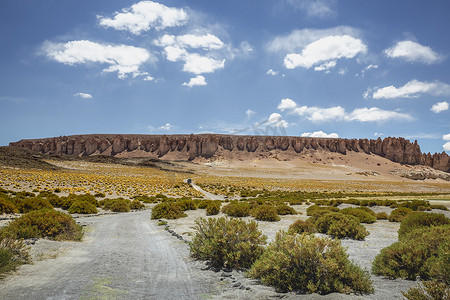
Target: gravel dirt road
{"x":124,"y":256}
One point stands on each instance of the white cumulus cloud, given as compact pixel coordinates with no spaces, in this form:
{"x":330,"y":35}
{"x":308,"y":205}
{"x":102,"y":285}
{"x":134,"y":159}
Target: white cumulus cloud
{"x":287,"y":103}
{"x":177,"y":48}
{"x":206,"y":41}
{"x":446,"y":146}
{"x":271,"y":72}
{"x":249,"y":113}
{"x":325,"y":52}
{"x":197,"y":64}
{"x":166,"y":127}
{"x":123,"y":59}
{"x":375,"y":114}
{"x":446,"y":137}
{"x":143,"y":16}
{"x":196,"y":81}
{"x":320,"y":134}
{"x":412,"y":89}
{"x":298,"y":39}
{"x":439,"y":107}
{"x":277,"y":120}
{"x":338,"y":113}
{"x":83,"y":95}
{"x":413,"y":52}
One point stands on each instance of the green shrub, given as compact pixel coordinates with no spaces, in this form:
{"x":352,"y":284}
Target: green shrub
{"x":301,"y":226}
{"x":146,"y":199}
{"x":382,"y":216}
{"x":415,"y":204}
{"x":315,"y":210}
{"x":283,"y":209}
{"x":7,"y":207}
{"x":120,"y":205}
{"x":368,"y":203}
{"x":422,"y":219}
{"x":44,"y":223}
{"x":265,"y":213}
{"x":363,"y":214}
{"x":99,"y":195}
{"x":201,"y":204}
{"x":398,"y":214}
{"x":82,"y":207}
{"x":438,"y":206}
{"x":31,"y":204}
{"x":213,"y":208}
{"x":88,"y":198}
{"x":186,"y":204}
{"x":428,"y":290}
{"x":66,"y":202}
{"x":136,"y":204}
{"x":116,"y":205}
{"x":12,"y":253}
{"x":237,"y":209}
{"x":167,"y":210}
{"x":341,"y":226}
{"x":415,"y":255}
{"x":305,"y":263}
{"x":229,"y":243}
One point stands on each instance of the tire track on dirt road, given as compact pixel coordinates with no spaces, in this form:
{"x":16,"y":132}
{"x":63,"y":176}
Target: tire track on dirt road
{"x":124,"y":256}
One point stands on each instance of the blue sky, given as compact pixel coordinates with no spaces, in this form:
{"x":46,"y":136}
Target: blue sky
{"x":349,"y":69}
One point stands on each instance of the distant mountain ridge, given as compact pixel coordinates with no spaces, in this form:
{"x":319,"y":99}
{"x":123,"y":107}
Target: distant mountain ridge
{"x":189,"y":147}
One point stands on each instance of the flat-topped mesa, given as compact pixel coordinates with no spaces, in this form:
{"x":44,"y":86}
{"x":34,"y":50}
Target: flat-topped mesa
{"x":192,"y":146}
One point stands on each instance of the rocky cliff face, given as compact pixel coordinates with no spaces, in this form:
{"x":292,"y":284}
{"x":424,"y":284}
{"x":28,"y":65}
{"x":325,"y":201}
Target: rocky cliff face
{"x":206,"y":145}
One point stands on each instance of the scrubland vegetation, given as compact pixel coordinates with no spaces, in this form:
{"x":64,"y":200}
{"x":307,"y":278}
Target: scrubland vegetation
{"x":305,"y":257}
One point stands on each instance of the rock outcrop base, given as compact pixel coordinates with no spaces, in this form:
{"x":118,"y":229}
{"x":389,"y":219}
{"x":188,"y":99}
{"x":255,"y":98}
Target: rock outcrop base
{"x":192,"y":146}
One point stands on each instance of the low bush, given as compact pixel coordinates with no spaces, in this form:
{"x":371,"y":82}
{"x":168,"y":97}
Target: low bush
{"x":82,"y":207}
{"x":201,"y":204}
{"x":341,"y":226}
{"x":30,"y":204}
{"x":422,"y":219}
{"x":7,"y":207}
{"x":228,"y":243}
{"x":44,"y":223}
{"x":301,"y":226}
{"x":420,"y":252}
{"x":364,"y":214}
{"x":146,"y":199}
{"x":88,"y":198}
{"x":283,"y":209}
{"x":186,"y":204}
{"x":120,"y":205}
{"x":12,"y":253}
{"x":428,"y":290}
{"x":213,"y":208}
{"x":136,"y":204}
{"x":398,"y":214}
{"x":265,"y":213}
{"x":315,"y":210}
{"x":167,"y":210}
{"x":439,"y":206}
{"x":237,"y":209}
{"x":415,"y":205}
{"x":382,"y":216}
{"x":116,"y":205}
{"x":305,"y":263}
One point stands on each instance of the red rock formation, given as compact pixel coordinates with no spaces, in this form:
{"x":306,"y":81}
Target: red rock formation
{"x":192,"y":146}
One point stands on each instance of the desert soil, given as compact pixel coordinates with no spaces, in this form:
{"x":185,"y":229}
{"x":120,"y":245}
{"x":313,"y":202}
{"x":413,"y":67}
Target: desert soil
{"x":123,"y":256}
{"x":128,"y":256}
